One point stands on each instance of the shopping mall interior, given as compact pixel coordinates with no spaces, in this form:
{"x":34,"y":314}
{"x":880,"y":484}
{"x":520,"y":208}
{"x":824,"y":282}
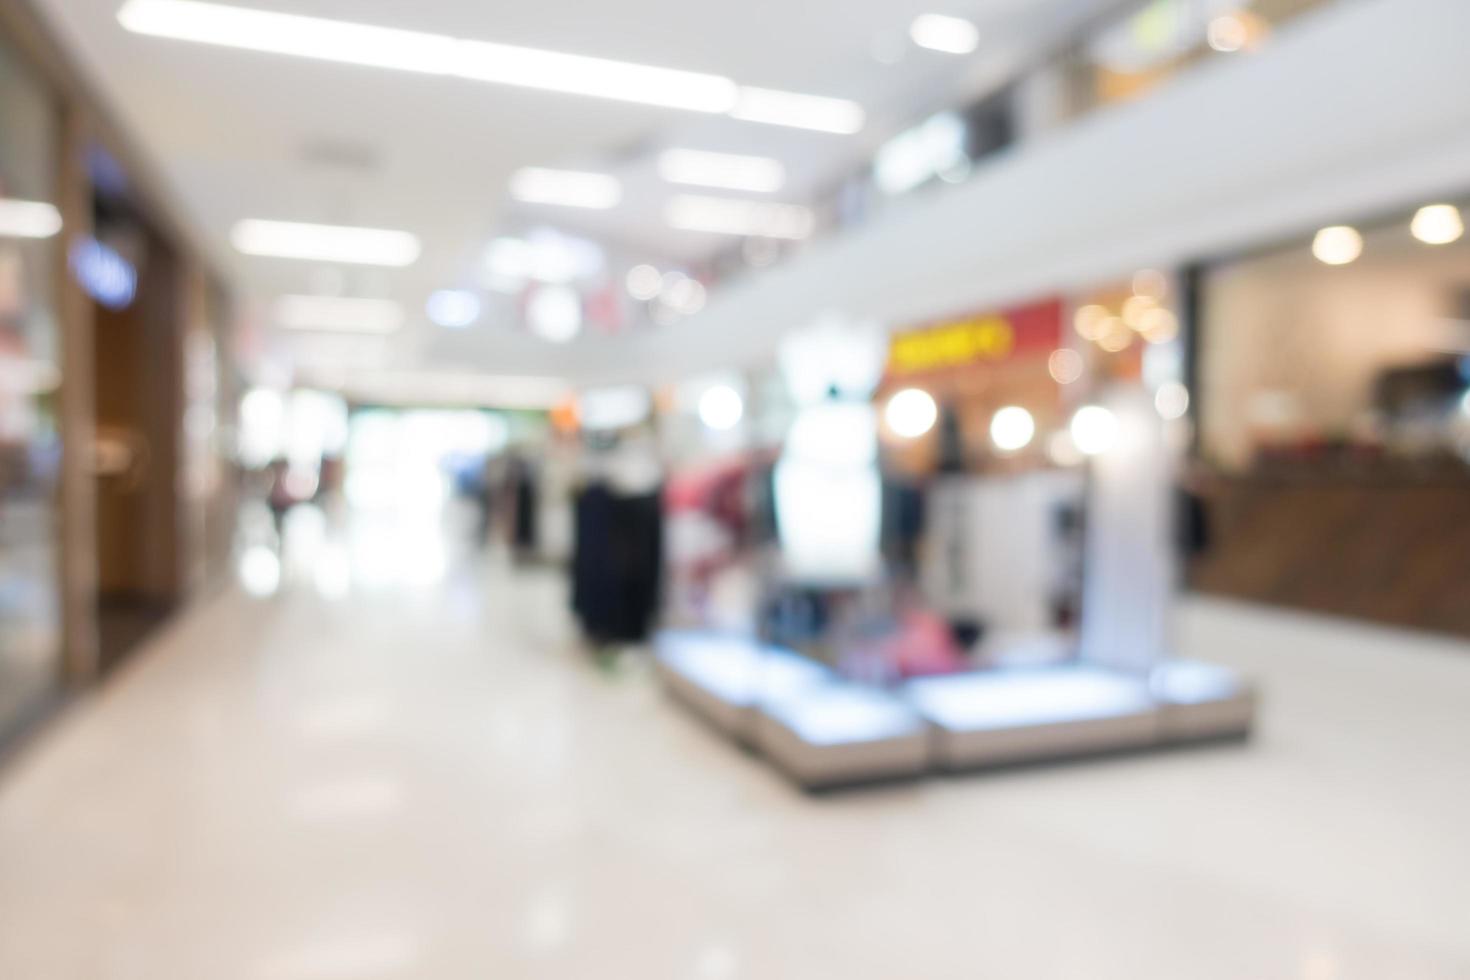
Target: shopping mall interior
{"x":869,"y":489}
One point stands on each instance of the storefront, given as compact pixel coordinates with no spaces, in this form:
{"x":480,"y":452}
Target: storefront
{"x":115,"y":379}
{"x":1335,"y":422}
{"x":30,"y":376}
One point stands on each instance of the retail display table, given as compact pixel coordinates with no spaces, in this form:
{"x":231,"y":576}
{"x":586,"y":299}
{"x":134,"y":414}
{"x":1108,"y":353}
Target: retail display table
{"x":725,"y":678}
{"x":840,"y":733}
{"x":1005,"y":716}
{"x":1200,"y":701}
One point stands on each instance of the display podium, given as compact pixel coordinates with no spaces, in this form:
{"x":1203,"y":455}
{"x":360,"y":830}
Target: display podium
{"x":1122,"y":692}
{"x":1001,"y":717}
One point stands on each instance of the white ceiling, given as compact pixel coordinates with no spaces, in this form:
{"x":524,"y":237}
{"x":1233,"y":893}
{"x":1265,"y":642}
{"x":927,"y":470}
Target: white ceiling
{"x":241,"y":134}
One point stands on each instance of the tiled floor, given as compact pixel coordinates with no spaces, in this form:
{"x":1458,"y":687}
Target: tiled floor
{"x":374,"y":777}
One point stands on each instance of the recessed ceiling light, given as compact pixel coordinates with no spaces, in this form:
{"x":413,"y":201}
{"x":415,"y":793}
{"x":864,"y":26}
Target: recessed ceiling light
{"x":438,"y":54}
{"x":1012,"y":429}
{"x":28,"y":219}
{"x":326,"y":243}
{"x":644,"y":282}
{"x":1438,"y":224}
{"x":725,"y":216}
{"x":1338,"y":245}
{"x":731,"y":171}
{"x":339,"y":314}
{"x":567,"y":188}
{"x":454,"y":309}
{"x":951,"y":35}
{"x":818,"y":112}
{"x":554,"y":313}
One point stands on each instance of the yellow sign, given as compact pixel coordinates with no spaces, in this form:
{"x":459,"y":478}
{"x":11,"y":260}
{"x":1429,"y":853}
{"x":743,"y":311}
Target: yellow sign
{"x":948,"y":345}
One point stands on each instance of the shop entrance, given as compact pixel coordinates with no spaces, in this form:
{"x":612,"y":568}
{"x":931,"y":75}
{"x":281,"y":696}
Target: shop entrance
{"x":133,"y":275}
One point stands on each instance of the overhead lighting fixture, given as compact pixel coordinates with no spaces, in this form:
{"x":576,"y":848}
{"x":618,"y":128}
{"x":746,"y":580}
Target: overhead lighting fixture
{"x":910,"y":413}
{"x":554,"y":313}
{"x":730,"y":171}
{"x":543,"y":256}
{"x":338,"y":314}
{"x":326,"y":243}
{"x":726,"y":216}
{"x":686,"y":296}
{"x":566,"y":188}
{"x":1012,"y":429}
{"x":1337,"y":245}
{"x":1094,"y":430}
{"x":1172,"y":401}
{"x":437,"y":54}
{"x":1228,"y":33}
{"x":453,"y":309}
{"x":721,"y":408}
{"x":644,"y":282}
{"x":933,"y":148}
{"x":28,"y":219}
{"x":1438,"y":224}
{"x":798,"y":111}
{"x":950,"y":35}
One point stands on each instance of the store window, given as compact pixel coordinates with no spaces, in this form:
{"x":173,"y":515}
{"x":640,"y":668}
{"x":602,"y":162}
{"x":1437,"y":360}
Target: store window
{"x":30,"y":444}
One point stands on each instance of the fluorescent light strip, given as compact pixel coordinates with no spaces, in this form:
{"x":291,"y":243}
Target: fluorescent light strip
{"x":818,"y":112}
{"x":568,"y":188}
{"x":437,"y":54}
{"x":724,"y":216}
{"x":950,"y":35}
{"x":339,"y":314}
{"x":730,"y":171}
{"x":28,"y":219}
{"x":326,"y":243}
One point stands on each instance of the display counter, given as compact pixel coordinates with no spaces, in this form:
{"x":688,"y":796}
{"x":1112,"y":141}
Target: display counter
{"x":1383,"y":542}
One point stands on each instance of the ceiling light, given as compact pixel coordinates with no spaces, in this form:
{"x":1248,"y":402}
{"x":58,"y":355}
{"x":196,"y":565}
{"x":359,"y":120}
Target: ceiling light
{"x":435,"y":54}
{"x":933,"y":148}
{"x":1094,"y":430}
{"x":818,"y":112}
{"x":1091,"y":321}
{"x":910,"y":413}
{"x":1151,"y":283}
{"x":326,"y":243}
{"x":1012,"y":429}
{"x":600,"y":77}
{"x":339,"y":314}
{"x":1171,"y":400}
{"x":544,"y":256}
{"x":686,"y":296}
{"x":731,"y":171}
{"x":725,"y":216}
{"x":1338,"y":245}
{"x":1438,"y":224}
{"x":1228,"y":33}
{"x":554,"y":313}
{"x":1159,"y":326}
{"x":28,"y":219}
{"x":644,"y":282}
{"x":951,"y":35}
{"x":568,"y":188}
{"x":438,"y":54}
{"x":612,"y":408}
{"x":721,"y":407}
{"x":454,"y":309}
{"x":1065,"y":365}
